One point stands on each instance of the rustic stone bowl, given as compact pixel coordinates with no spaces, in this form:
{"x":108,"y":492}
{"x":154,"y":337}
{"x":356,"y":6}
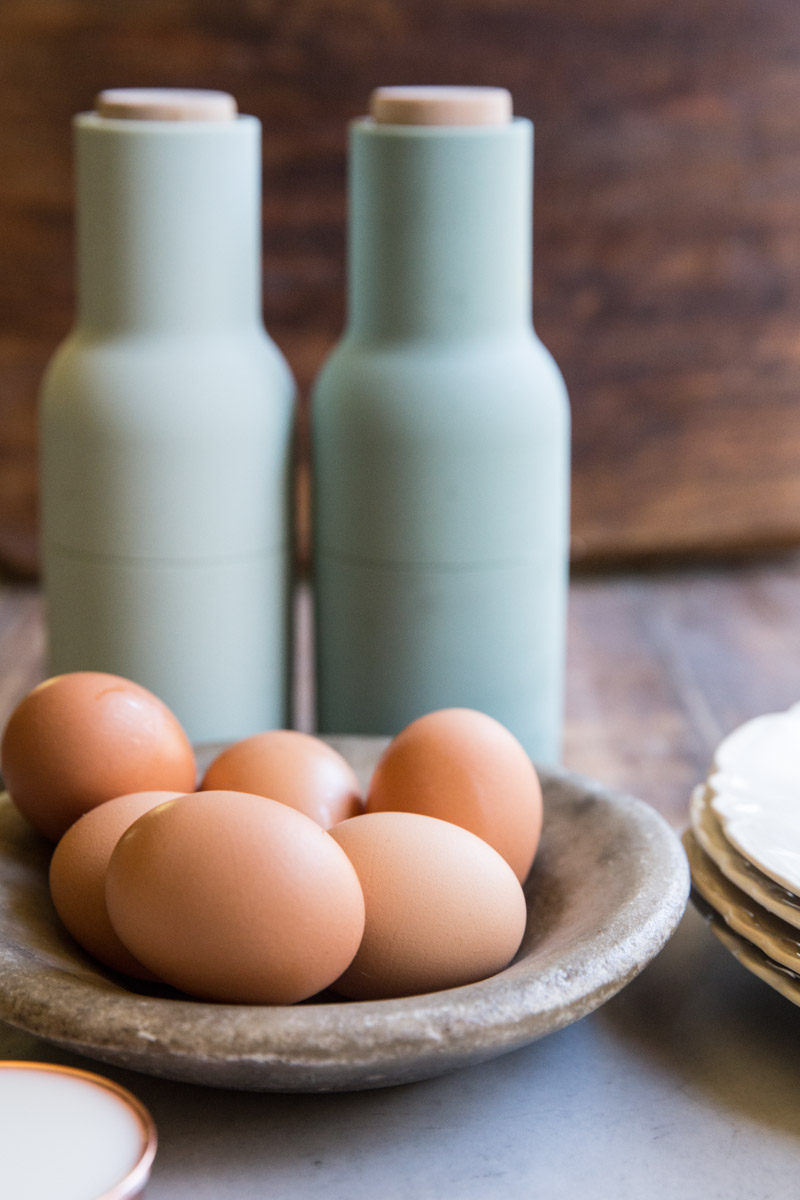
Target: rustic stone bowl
{"x":608,"y":888}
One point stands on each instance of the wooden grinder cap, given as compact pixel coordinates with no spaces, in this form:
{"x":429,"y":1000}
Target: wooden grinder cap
{"x":441,"y":106}
{"x":165,"y":104}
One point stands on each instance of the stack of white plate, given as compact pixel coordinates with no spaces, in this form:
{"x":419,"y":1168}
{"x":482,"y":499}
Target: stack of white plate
{"x":744,"y":848}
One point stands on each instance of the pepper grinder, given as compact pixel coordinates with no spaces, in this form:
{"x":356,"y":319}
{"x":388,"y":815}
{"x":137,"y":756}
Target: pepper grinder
{"x":166,"y":420}
{"x":440,"y":435}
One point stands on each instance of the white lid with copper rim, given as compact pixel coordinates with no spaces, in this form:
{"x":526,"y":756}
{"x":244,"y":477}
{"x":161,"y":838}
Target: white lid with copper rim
{"x":68,"y":1134}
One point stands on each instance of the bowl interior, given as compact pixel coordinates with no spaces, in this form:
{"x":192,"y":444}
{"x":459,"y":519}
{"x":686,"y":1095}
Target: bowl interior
{"x":607,"y":889}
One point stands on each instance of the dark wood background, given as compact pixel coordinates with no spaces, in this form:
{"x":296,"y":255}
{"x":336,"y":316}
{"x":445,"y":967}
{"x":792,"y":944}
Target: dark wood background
{"x":667,"y":219}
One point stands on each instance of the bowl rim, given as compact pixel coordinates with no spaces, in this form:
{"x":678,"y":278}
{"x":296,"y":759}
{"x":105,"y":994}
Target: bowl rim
{"x":510,"y":1008}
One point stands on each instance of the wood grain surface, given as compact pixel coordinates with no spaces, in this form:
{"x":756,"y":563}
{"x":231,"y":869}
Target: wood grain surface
{"x":667,"y":219}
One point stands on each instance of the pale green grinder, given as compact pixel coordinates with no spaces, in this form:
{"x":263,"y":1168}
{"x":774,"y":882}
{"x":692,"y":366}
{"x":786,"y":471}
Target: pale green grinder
{"x":166,"y":422}
{"x":441,"y":446}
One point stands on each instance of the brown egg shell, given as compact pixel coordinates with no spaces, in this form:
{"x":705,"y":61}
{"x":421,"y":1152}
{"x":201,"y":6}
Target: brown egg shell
{"x":80,"y":739}
{"x":235,"y":898}
{"x":463,"y":766}
{"x":78,"y":877}
{"x":442,"y":907}
{"x":294,"y":768}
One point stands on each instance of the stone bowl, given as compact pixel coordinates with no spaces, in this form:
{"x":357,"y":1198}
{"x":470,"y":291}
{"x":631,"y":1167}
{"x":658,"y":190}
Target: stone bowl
{"x":607,"y":889}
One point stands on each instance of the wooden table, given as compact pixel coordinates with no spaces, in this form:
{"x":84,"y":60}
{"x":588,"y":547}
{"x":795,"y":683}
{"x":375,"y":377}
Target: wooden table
{"x":683,"y":1085}
{"x":662,"y":664}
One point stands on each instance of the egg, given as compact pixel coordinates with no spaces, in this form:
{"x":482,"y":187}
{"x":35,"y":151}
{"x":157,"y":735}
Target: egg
{"x":235,"y":898}
{"x":442,"y":907}
{"x":79,"y":739}
{"x":294,"y":768}
{"x":463,"y":766}
{"x":78,"y":877}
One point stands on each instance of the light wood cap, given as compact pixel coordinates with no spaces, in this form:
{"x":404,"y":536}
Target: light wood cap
{"x":165,"y":104}
{"x":441,"y":106}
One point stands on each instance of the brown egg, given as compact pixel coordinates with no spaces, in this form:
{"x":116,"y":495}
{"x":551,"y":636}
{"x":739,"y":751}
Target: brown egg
{"x":78,"y":877}
{"x":465,"y":767}
{"x":295,"y":768}
{"x":442,"y":908}
{"x":77,"y":740}
{"x":235,"y":898}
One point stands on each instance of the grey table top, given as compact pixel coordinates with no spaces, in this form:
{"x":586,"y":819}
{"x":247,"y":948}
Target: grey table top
{"x":684,"y":1085}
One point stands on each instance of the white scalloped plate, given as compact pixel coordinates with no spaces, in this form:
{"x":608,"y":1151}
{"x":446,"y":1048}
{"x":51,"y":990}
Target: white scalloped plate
{"x":754,"y":791}
{"x":780,"y":978}
{"x":735,"y":867}
{"x":777,"y":939}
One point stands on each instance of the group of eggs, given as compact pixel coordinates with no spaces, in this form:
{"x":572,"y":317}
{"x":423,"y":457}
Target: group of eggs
{"x":275,"y":880}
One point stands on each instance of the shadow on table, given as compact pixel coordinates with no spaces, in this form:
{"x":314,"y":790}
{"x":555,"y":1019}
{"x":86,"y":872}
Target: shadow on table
{"x":695,"y":1022}
{"x":725,"y":1036}
{"x":303,"y":1144}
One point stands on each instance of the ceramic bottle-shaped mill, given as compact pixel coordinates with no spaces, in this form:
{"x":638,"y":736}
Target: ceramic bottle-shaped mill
{"x":441,"y":435}
{"x":166,"y":421}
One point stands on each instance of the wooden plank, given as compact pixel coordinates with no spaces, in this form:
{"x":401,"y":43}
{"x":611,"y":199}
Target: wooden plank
{"x":21,"y":644}
{"x":662,"y":664}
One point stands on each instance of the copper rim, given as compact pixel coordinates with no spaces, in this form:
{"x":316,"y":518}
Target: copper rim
{"x":131,"y":1184}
